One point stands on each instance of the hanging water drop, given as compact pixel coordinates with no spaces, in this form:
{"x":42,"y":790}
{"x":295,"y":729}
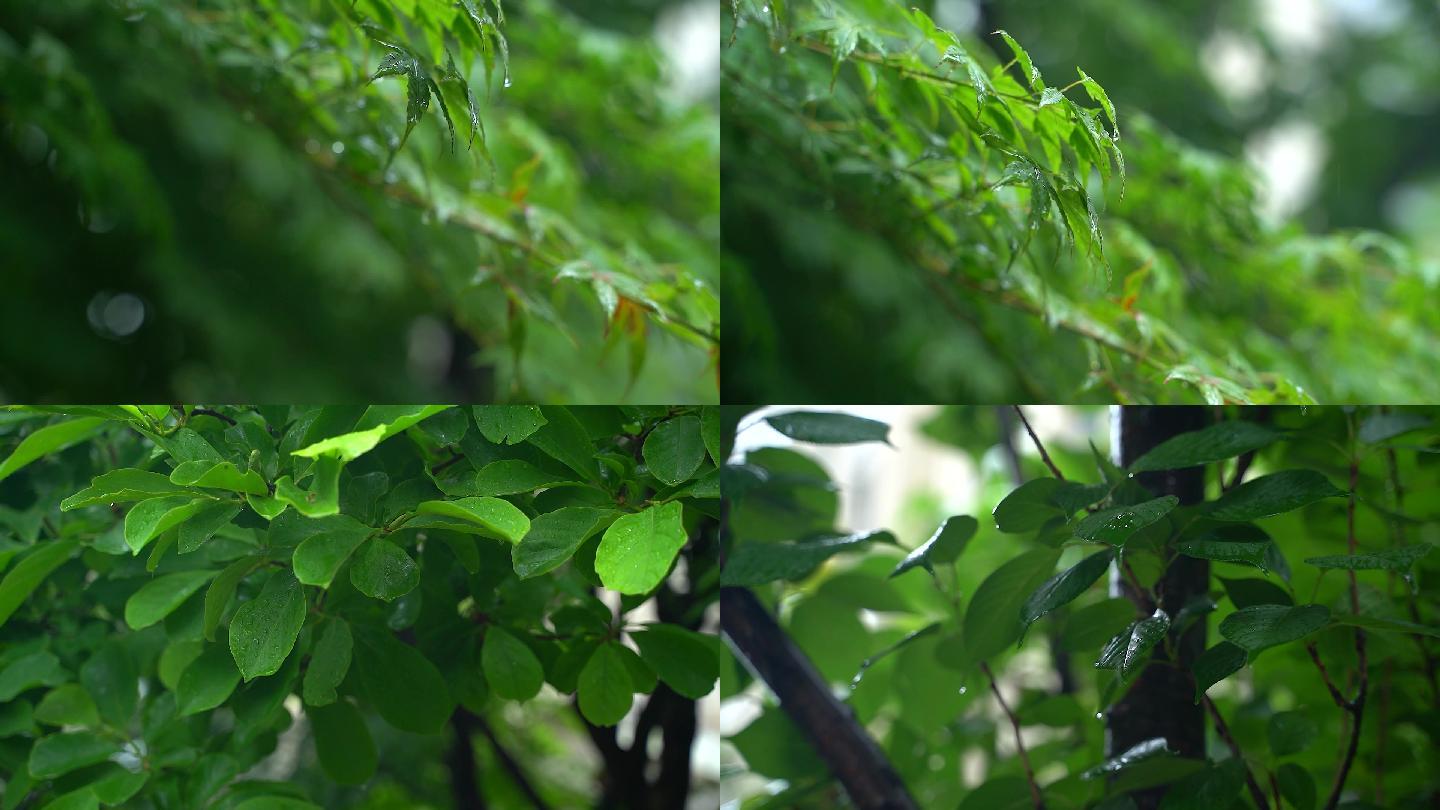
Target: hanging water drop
{"x":963,"y":690}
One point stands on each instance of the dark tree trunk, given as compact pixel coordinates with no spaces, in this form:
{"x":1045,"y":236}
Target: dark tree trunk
{"x":1161,"y":702}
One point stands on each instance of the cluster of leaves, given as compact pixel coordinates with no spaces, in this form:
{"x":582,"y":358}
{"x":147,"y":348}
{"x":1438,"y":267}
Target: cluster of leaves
{"x":562,"y":223}
{"x":1024,"y":578}
{"x":176,"y":575}
{"x":1016,"y":245}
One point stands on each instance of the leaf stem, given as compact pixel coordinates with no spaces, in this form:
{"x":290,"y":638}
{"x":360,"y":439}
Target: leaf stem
{"x":1019,"y":743}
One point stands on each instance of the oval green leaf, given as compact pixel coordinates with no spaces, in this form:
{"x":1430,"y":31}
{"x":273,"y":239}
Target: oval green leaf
{"x":160,"y":597}
{"x":604,"y":690}
{"x":263,"y":630}
{"x":637,"y":550}
{"x":674,"y":450}
{"x":511,"y":667}
{"x":1264,"y":626}
{"x":382,"y":570}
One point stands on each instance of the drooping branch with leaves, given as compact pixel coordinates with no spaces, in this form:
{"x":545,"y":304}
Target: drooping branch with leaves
{"x":516,"y":192}
{"x":930,"y":208}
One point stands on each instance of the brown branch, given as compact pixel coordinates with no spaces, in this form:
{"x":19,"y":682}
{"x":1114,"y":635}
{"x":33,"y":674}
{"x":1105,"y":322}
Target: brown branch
{"x":1223,"y":730}
{"x":1044,"y":456}
{"x":1019,"y":743}
{"x":829,"y":726}
{"x":1355,"y":707}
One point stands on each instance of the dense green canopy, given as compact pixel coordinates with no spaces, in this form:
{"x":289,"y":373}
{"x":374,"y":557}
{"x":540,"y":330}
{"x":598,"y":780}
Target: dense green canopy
{"x":919,"y":214}
{"x":296,"y":199}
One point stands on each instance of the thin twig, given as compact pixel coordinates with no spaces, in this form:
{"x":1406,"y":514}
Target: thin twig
{"x":1044,"y":456}
{"x":1356,"y":707}
{"x":1256,"y":792}
{"x":1019,"y":743}
{"x":207,"y":412}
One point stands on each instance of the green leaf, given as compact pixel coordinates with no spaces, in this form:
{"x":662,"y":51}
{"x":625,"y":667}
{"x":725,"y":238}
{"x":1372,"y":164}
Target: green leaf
{"x":710,"y":432}
{"x":674,"y":450}
{"x":1037,"y":502}
{"x":1127,"y":650}
{"x":1022,"y":57}
{"x":605,"y":689}
{"x":1272,"y":495}
{"x":263,"y":630}
{"x":1378,"y":426}
{"x":554,"y":537}
{"x":47,"y":440}
{"x":564,"y":439}
{"x":508,"y":424}
{"x":322,"y":499}
{"x":511,"y":667}
{"x":218,"y":475}
{"x":1219,"y":785}
{"x":1386,"y":625}
{"x":1250,"y":592}
{"x":1263,"y":626}
{"x":27,"y":672}
{"x":67,"y":705}
{"x":382,"y":570}
{"x":378,"y":423}
{"x":1232,"y":551}
{"x":217,"y":598}
{"x":1296,"y":785}
{"x":208,"y":520}
{"x":148,"y":519}
{"x":328,"y":663}
{"x":637,"y":550}
{"x":1098,"y":93}
{"x":79,"y":799}
{"x":109,"y":675}
{"x":1064,"y":587}
{"x":495,"y":517}
{"x":122,"y":486}
{"x":829,"y":428}
{"x":1216,"y":664}
{"x":26,"y":576}
{"x":512,"y":477}
{"x":944,"y":546}
{"x":999,"y":793}
{"x":117,"y":785}
{"x":1214,"y":443}
{"x":343,"y":743}
{"x":992,"y":621}
{"x":160,"y":597}
{"x":759,"y":563}
{"x":1114,"y":526}
{"x":276,"y":803}
{"x":319,"y":557}
{"x":1291,"y":732}
{"x":58,"y":754}
{"x":683,"y":659}
{"x":1393,"y":559}
{"x":405,"y":688}
{"x":1090,"y":627}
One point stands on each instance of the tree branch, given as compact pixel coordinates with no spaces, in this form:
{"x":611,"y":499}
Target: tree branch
{"x":1019,"y":743}
{"x":517,"y":775}
{"x":1044,"y":456}
{"x":464,"y":785}
{"x":852,"y":756}
{"x":1223,"y":730}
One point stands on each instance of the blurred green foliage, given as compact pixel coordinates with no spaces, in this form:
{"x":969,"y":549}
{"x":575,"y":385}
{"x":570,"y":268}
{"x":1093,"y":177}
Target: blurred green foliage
{"x":891,"y":234}
{"x":211,"y":199}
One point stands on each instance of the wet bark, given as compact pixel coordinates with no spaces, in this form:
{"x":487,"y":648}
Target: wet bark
{"x":1161,"y":702}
